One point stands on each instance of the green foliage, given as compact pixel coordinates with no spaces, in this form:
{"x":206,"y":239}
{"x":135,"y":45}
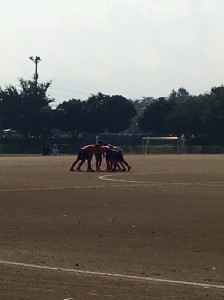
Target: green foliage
{"x":26,"y":109}
{"x":117,"y":113}
{"x":214,"y":114}
{"x":186,"y":117}
{"x":141,"y":104}
{"x":98,"y":114}
{"x":182,"y":113}
{"x":154,"y":116}
{"x":109,"y":113}
{"x":70,"y":117}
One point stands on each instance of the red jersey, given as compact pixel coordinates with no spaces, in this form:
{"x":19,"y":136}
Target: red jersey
{"x":104,"y":148}
{"x":90,"y":149}
{"x":108,"y":149}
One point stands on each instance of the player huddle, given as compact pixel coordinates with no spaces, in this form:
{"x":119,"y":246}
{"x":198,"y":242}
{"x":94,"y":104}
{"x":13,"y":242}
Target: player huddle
{"x":113,"y":155}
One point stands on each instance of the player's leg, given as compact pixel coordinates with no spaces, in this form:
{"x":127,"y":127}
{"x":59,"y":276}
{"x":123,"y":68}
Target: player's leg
{"x":115,"y":163}
{"x":89,"y":158}
{"x":80,"y":165}
{"x":82,"y":158}
{"x":119,"y":168}
{"x":120,"y":159}
{"x":98,"y":161}
{"x":123,"y":166}
{"x":79,"y":157}
{"x":127,"y":165}
{"x":108,"y":157}
{"x":73,"y":165}
{"x":125,"y":162}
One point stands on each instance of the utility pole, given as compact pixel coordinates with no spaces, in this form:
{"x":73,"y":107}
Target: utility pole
{"x":36,"y":60}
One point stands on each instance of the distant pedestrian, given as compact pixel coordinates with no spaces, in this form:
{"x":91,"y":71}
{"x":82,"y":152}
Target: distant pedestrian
{"x":54,"y":150}
{"x":46,"y":149}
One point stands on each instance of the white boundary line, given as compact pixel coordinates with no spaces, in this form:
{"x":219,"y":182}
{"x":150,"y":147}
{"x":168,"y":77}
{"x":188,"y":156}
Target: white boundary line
{"x":105,"y":177}
{"x":114,"y":275}
{"x":49,"y":188}
{"x":69,"y":187}
{"x":108,"y":178}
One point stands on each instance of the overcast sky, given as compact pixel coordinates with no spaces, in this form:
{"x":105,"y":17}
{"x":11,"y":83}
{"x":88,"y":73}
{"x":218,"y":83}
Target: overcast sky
{"x":134,"y":48}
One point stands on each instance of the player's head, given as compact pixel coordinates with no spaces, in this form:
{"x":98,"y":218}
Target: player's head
{"x":100,"y":143}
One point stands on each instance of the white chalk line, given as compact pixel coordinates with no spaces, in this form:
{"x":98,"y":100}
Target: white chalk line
{"x":114,"y":275}
{"x":69,"y":188}
{"x":130,"y":183}
{"x":136,"y":183}
{"x":212,"y":184}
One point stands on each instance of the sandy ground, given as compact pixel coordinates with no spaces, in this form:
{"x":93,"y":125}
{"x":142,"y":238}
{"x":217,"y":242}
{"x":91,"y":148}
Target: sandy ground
{"x":155,"y":232}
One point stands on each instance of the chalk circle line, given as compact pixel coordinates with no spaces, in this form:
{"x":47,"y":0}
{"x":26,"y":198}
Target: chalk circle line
{"x":110,"y":177}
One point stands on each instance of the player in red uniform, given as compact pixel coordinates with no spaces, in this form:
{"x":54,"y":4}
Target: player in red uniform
{"x":111,"y":157}
{"x":120,"y":158}
{"x":98,"y":157}
{"x":85,"y":153}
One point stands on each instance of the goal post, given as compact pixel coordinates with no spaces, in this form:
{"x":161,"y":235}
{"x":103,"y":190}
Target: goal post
{"x":165,"y":143}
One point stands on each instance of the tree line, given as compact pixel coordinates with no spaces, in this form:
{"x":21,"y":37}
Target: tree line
{"x":28,"y":109}
{"x":180,"y":113}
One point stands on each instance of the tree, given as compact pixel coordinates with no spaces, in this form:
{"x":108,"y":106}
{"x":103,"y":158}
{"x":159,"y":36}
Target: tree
{"x":141,"y":104}
{"x":186,"y":116}
{"x":99,"y":113}
{"x":71,"y":117}
{"x":96,"y":113}
{"x":117,"y":112}
{"x":109,"y":113}
{"x":179,"y":113}
{"x":154,"y":117}
{"x":26,"y":109}
{"x":214,"y":114}
{"x":10,"y":107}
{"x":181,"y":94}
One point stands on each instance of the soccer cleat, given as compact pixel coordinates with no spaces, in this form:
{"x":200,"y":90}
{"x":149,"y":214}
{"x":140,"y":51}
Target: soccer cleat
{"x":129,"y":168}
{"x":71,"y":170}
{"x":90,"y":170}
{"x":123,"y":170}
{"x":79,"y":170}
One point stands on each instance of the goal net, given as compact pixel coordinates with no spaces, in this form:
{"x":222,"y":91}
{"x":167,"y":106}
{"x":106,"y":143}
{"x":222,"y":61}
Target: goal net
{"x":164,"y":144}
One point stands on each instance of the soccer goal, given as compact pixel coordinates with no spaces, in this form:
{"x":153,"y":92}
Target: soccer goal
{"x":164,"y":144}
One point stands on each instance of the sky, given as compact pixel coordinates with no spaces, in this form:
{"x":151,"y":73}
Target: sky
{"x":133,"y":48}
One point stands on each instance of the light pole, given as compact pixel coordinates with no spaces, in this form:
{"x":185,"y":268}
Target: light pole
{"x":36,"y":60}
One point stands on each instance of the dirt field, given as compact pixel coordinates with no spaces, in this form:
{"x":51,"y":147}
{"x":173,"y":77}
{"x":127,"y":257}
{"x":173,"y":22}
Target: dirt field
{"x":156,"y":232}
